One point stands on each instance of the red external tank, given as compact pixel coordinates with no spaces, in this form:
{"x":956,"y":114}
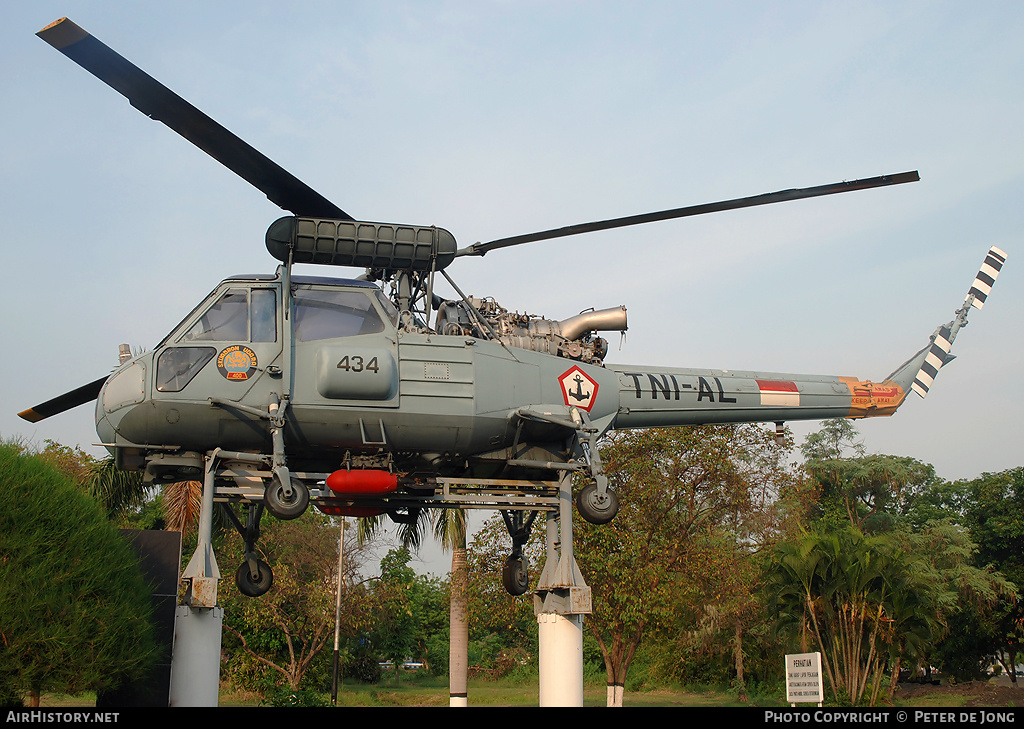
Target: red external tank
{"x":362,"y":483}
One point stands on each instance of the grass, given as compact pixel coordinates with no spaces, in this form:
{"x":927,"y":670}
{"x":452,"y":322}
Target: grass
{"x":424,"y":690}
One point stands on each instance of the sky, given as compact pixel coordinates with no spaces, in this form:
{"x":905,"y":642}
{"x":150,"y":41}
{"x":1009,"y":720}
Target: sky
{"x":493,"y":119}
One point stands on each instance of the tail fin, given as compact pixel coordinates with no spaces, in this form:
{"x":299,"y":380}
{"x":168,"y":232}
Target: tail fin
{"x":938,"y":351}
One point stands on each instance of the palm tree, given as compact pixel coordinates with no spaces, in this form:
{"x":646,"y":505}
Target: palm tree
{"x":836,"y":588}
{"x":122,"y":491}
{"x":450,"y":530}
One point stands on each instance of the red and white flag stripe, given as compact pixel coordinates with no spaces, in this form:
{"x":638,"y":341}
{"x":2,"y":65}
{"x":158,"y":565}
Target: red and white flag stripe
{"x":779,"y":392}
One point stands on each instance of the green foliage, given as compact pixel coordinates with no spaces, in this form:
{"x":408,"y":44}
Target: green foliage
{"x":859,"y":600}
{"x":993,"y":510}
{"x":963,"y":613}
{"x":867,"y":492}
{"x":75,"y":611}
{"x":74,"y":463}
{"x":278,"y":636}
{"x":394,"y":626}
{"x":284,"y":696}
{"x":363,"y":666}
{"x":965,"y":652}
{"x":492,"y":611}
{"x":695,"y":503}
{"x":837,"y":437}
{"x":119,"y":491}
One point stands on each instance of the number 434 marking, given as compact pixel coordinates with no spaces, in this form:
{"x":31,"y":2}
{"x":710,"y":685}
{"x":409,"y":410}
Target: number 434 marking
{"x":355,"y":363}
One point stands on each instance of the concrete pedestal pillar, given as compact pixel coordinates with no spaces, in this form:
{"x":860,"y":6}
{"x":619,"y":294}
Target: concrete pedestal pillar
{"x":195,"y":660}
{"x":561,"y":659}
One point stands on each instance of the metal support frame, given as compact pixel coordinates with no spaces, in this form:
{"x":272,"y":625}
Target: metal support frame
{"x":560,"y":601}
{"x":202,"y":573}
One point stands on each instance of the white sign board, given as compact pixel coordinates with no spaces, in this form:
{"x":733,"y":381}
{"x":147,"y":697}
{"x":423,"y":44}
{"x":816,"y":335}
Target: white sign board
{"x":803,"y":678}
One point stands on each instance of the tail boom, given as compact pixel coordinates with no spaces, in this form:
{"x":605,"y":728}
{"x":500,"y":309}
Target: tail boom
{"x":651,"y":397}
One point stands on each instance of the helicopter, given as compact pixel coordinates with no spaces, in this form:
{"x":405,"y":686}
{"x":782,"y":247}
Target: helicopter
{"x":375,"y":395}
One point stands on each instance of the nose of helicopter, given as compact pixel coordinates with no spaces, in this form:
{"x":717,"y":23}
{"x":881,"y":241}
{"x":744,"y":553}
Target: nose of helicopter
{"x":124,"y":388}
{"x":104,"y":429}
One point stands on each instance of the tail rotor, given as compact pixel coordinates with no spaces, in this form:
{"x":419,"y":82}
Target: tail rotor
{"x":942,"y":341}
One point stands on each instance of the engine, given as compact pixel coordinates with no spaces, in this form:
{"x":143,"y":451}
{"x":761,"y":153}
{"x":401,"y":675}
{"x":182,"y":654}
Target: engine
{"x":572,"y":338}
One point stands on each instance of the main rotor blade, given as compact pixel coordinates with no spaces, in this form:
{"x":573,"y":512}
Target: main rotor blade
{"x":78,"y":396}
{"x":158,"y":102}
{"x":479,"y":249}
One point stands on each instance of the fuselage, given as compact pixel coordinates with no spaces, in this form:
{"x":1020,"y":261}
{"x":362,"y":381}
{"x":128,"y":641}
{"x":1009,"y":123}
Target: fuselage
{"x":351,"y":381}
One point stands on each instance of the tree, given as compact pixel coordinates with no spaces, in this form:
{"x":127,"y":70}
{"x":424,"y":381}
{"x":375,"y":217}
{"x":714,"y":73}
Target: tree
{"x":450,"y":530}
{"x":75,"y":463}
{"x":837,"y":437}
{"x":124,"y":492}
{"x":967,"y":597}
{"x":868,"y":492}
{"x":904,"y":497}
{"x":865,"y":601}
{"x":994,"y":507}
{"x":285,"y":629}
{"x":677,"y":489}
{"x":75,"y":612}
{"x":394,"y":627}
{"x":502,"y":627}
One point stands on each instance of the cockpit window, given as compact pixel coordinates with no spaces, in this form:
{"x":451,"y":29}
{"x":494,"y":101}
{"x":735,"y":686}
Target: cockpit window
{"x":264,"y":315}
{"x":327,"y":314}
{"x":228,"y":319}
{"x":176,"y":366}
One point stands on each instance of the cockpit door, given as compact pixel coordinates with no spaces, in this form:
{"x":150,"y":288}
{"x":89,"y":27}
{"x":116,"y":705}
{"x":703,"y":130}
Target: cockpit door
{"x":230,"y":348}
{"x":346,"y":347}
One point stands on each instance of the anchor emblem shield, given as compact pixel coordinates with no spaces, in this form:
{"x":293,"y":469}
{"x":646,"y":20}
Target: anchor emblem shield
{"x":578,"y":389}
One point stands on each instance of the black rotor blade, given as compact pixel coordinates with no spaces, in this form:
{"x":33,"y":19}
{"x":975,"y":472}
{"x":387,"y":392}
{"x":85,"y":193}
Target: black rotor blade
{"x":158,"y":102}
{"x":479,"y":249}
{"x":68,"y":400}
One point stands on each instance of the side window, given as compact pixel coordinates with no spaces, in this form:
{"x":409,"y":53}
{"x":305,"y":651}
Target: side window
{"x":228,"y":319}
{"x":176,"y":366}
{"x":327,"y":314}
{"x":264,"y":315}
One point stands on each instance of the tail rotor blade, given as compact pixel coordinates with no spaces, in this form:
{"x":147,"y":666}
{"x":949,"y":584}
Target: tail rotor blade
{"x":78,"y":396}
{"x":938,"y":355}
{"x":986,"y":277}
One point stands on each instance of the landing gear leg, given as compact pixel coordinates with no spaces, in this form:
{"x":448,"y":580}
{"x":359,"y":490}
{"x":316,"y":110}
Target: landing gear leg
{"x":254,"y":576}
{"x":286,"y":497}
{"x":515,"y":575}
{"x":595,"y":502}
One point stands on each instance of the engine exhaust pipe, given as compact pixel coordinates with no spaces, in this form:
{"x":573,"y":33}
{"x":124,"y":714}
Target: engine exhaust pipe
{"x":604,"y":320}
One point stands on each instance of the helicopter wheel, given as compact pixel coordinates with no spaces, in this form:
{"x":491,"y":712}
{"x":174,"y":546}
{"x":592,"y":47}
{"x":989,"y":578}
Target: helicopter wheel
{"x":594,"y":508}
{"x":250,"y":587}
{"x":515,"y":575}
{"x":286,"y":502}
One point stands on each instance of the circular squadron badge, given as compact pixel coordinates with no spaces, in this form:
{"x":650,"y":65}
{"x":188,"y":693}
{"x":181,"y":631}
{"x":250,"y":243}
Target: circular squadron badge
{"x":237,"y":362}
